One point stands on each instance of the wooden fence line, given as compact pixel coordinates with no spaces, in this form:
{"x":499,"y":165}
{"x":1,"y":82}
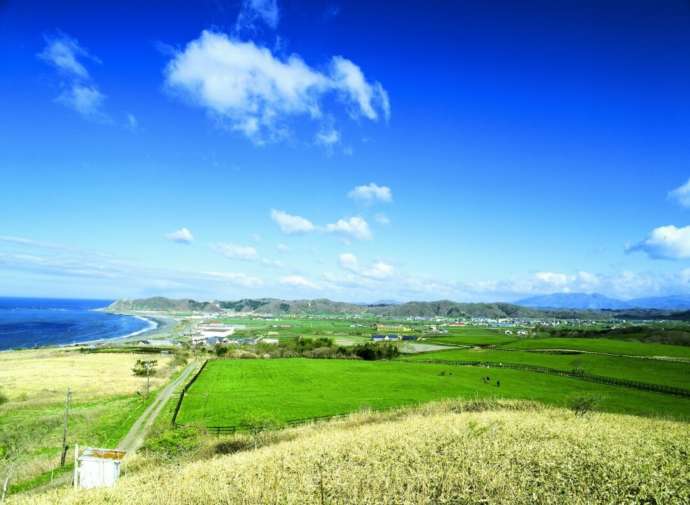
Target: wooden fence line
{"x":184,"y":391}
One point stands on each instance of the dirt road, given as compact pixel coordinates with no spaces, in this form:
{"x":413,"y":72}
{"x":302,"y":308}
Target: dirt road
{"x":137,"y":433}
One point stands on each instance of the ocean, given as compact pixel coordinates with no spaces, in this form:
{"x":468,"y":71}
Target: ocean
{"x":32,"y":322}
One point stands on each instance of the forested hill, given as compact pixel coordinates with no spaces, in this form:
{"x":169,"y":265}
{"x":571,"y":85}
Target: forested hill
{"x":275,"y":306}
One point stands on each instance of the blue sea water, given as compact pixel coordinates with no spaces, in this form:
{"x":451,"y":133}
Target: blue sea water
{"x":31,"y":322}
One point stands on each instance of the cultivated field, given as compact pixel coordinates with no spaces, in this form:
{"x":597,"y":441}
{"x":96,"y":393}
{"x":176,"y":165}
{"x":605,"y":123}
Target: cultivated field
{"x":249,"y":392}
{"x":440,"y":454}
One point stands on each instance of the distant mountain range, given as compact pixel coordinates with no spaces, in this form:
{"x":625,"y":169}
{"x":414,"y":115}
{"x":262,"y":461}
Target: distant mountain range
{"x":562,"y":305}
{"x":595,"y":301}
{"x":322,"y":306}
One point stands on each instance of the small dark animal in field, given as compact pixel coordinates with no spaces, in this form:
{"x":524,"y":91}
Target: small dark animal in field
{"x":498,"y":384}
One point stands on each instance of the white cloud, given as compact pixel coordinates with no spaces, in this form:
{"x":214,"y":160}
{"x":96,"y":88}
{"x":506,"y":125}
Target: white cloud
{"x":63,"y":52}
{"x":183,"y":235}
{"x":235,"y":251}
{"x":371,"y":192}
{"x":257,"y":10}
{"x":354,"y":227}
{"x":349,"y":79}
{"x":379,"y":270}
{"x":291,"y":224}
{"x":237,"y":279}
{"x":666,"y":242}
{"x":297,"y":281}
{"x":256,"y":92}
{"x":79,"y":91}
{"x":349,"y":261}
{"x":282,"y":248}
{"x":327,"y":138}
{"x":553,"y":278}
{"x":85,"y":99}
{"x":681,"y":194}
{"x":132,"y":121}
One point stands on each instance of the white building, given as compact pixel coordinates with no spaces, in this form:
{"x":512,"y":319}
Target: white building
{"x":98,"y":468}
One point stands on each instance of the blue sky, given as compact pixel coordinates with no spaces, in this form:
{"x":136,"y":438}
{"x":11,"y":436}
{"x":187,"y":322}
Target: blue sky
{"x":358,"y":151}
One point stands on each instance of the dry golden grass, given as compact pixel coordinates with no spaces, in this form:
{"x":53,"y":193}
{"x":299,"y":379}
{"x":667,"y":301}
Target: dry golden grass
{"x":438,"y":454}
{"x":45,"y":375}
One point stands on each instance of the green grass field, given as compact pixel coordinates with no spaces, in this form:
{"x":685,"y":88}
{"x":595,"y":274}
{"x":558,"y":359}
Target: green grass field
{"x":652,"y":371}
{"x":602,"y":345}
{"x":236,"y":392}
{"x":471,"y":336}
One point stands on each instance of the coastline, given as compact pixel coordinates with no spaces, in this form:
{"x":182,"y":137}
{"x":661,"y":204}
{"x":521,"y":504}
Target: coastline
{"x":156,"y":326}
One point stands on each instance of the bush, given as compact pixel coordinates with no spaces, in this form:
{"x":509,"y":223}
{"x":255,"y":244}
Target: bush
{"x":173,"y":442}
{"x":582,"y":405}
{"x":3,"y":398}
{"x":371,"y":351}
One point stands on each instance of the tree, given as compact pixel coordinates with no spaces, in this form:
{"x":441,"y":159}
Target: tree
{"x":144,"y":368}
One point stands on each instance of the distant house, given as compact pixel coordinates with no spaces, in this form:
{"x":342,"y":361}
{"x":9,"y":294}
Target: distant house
{"x":158,"y":343}
{"x":409,"y":337}
{"x":385,"y":338}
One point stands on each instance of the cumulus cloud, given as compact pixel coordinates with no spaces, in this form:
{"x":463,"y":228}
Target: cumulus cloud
{"x":665,"y":242}
{"x":235,"y":251}
{"x":379,"y":270}
{"x":371,"y":192}
{"x":298,"y":281}
{"x":254,"y":11}
{"x":681,"y":195}
{"x":79,"y":92}
{"x":353,"y":227}
{"x":183,"y":236}
{"x":291,"y":224}
{"x":282,"y":248}
{"x":256,"y":93}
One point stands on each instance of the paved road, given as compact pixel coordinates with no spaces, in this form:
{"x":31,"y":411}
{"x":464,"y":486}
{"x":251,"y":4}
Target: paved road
{"x":137,"y":433}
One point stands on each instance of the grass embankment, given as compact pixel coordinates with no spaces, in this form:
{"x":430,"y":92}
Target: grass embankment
{"x":104,"y":405}
{"x":247,"y":392}
{"x":605,"y":346}
{"x":436,"y":454}
{"x":651,"y":371}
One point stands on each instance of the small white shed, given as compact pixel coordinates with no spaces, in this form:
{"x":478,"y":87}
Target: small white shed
{"x":98,"y":468}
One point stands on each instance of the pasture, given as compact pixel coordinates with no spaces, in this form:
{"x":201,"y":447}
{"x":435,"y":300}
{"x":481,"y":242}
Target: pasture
{"x":471,"y":336}
{"x":603,"y":345}
{"x":652,"y":371}
{"x":250,"y":392}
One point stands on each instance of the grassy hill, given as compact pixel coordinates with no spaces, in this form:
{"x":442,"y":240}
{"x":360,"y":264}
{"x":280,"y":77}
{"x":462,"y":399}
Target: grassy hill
{"x":443,"y":453}
{"x":162,"y":304}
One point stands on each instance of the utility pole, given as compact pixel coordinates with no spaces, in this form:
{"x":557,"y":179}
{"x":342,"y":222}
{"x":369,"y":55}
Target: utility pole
{"x":148,"y":379}
{"x":68,"y":400}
